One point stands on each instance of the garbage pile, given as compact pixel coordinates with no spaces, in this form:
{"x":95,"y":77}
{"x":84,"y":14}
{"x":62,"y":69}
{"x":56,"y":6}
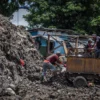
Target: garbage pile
{"x":20,"y":67}
{"x":15,"y":45}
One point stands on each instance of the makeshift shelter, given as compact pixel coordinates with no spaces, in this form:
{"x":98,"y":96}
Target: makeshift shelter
{"x":42,"y":42}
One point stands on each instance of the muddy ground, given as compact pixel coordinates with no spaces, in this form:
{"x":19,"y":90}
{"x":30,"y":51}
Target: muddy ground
{"x":19,"y":82}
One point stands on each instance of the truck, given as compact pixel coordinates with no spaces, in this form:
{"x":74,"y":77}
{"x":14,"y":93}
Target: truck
{"x":81,"y":69}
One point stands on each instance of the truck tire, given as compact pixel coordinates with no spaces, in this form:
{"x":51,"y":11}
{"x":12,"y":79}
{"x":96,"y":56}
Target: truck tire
{"x":79,"y":81}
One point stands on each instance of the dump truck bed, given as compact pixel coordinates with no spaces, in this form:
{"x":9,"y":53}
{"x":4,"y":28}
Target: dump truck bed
{"x":83,"y":65}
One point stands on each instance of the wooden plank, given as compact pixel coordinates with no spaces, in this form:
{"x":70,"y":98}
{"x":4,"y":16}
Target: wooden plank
{"x":65,"y":48}
{"x":75,"y":36}
{"x":76,"y":46}
{"x":48,"y":45}
{"x":89,"y":64}
{"x":83,"y":65}
{"x":35,"y":36}
{"x":97,"y":66}
{"x":75,"y":65}
{"x":51,"y":30}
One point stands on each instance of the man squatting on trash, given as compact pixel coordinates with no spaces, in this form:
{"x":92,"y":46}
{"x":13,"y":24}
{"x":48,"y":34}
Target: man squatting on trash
{"x":50,"y":62}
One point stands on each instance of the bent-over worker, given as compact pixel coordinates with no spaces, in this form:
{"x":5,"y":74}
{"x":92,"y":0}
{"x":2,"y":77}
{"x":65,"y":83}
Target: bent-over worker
{"x":50,"y":62}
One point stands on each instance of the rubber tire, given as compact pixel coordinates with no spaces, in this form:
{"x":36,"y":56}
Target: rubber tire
{"x":79,"y":81}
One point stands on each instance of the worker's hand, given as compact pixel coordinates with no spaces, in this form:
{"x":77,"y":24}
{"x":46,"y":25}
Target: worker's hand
{"x":65,"y":65}
{"x":63,"y":69}
{"x":22,"y":62}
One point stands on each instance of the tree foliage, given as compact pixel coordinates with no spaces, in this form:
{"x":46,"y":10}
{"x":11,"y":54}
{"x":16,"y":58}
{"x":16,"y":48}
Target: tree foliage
{"x":7,"y":7}
{"x":80,"y":15}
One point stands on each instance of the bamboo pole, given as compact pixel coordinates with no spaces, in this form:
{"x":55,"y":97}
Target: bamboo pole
{"x":65,"y":48}
{"x":76,"y":46}
{"x":48,"y":45}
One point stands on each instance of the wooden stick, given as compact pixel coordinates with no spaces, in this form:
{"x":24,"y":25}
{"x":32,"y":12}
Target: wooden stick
{"x":55,"y":39}
{"x":48,"y":45}
{"x":56,"y":48}
{"x":76,"y":46}
{"x":74,"y":36}
{"x":65,"y":48}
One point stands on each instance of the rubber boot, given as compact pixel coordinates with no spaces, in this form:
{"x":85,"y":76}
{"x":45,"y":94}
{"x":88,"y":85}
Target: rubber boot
{"x":52,"y":78}
{"x":42,"y":78}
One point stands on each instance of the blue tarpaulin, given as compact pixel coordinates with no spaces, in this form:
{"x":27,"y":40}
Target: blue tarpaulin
{"x":34,"y":33}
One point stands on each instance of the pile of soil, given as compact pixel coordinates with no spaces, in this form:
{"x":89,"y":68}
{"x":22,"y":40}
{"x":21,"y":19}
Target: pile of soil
{"x":19,"y":82}
{"x":15,"y":44}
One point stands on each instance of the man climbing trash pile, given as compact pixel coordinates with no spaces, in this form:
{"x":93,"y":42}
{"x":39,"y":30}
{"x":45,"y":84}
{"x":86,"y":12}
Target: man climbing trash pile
{"x":50,"y":62}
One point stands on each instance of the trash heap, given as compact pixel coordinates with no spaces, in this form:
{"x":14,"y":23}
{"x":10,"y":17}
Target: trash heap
{"x":15,"y":44}
{"x":21,"y":81}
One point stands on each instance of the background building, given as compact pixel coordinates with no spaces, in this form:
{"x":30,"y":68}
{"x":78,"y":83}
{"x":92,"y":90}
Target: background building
{"x":18,"y":16}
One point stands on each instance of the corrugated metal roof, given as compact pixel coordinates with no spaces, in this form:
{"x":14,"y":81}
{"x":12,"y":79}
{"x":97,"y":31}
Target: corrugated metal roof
{"x":51,"y":39}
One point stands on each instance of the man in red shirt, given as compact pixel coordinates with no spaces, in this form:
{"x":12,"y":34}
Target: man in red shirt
{"x":89,"y":48}
{"x":50,"y":62}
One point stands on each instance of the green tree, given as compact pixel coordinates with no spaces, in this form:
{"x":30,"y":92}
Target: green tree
{"x":80,"y":15}
{"x":7,"y":7}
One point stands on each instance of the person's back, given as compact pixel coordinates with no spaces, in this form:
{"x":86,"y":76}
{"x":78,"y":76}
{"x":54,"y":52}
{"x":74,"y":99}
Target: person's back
{"x":98,"y":44}
{"x":52,"y":58}
{"x":98,"y":48}
{"x":96,"y":41}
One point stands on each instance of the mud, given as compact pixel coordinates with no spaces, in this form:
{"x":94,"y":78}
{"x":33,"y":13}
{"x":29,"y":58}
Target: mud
{"x":19,"y":82}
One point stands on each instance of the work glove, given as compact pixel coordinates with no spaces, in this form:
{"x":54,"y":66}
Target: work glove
{"x":65,"y":65}
{"x":63,"y":68}
{"x":22,"y":62}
